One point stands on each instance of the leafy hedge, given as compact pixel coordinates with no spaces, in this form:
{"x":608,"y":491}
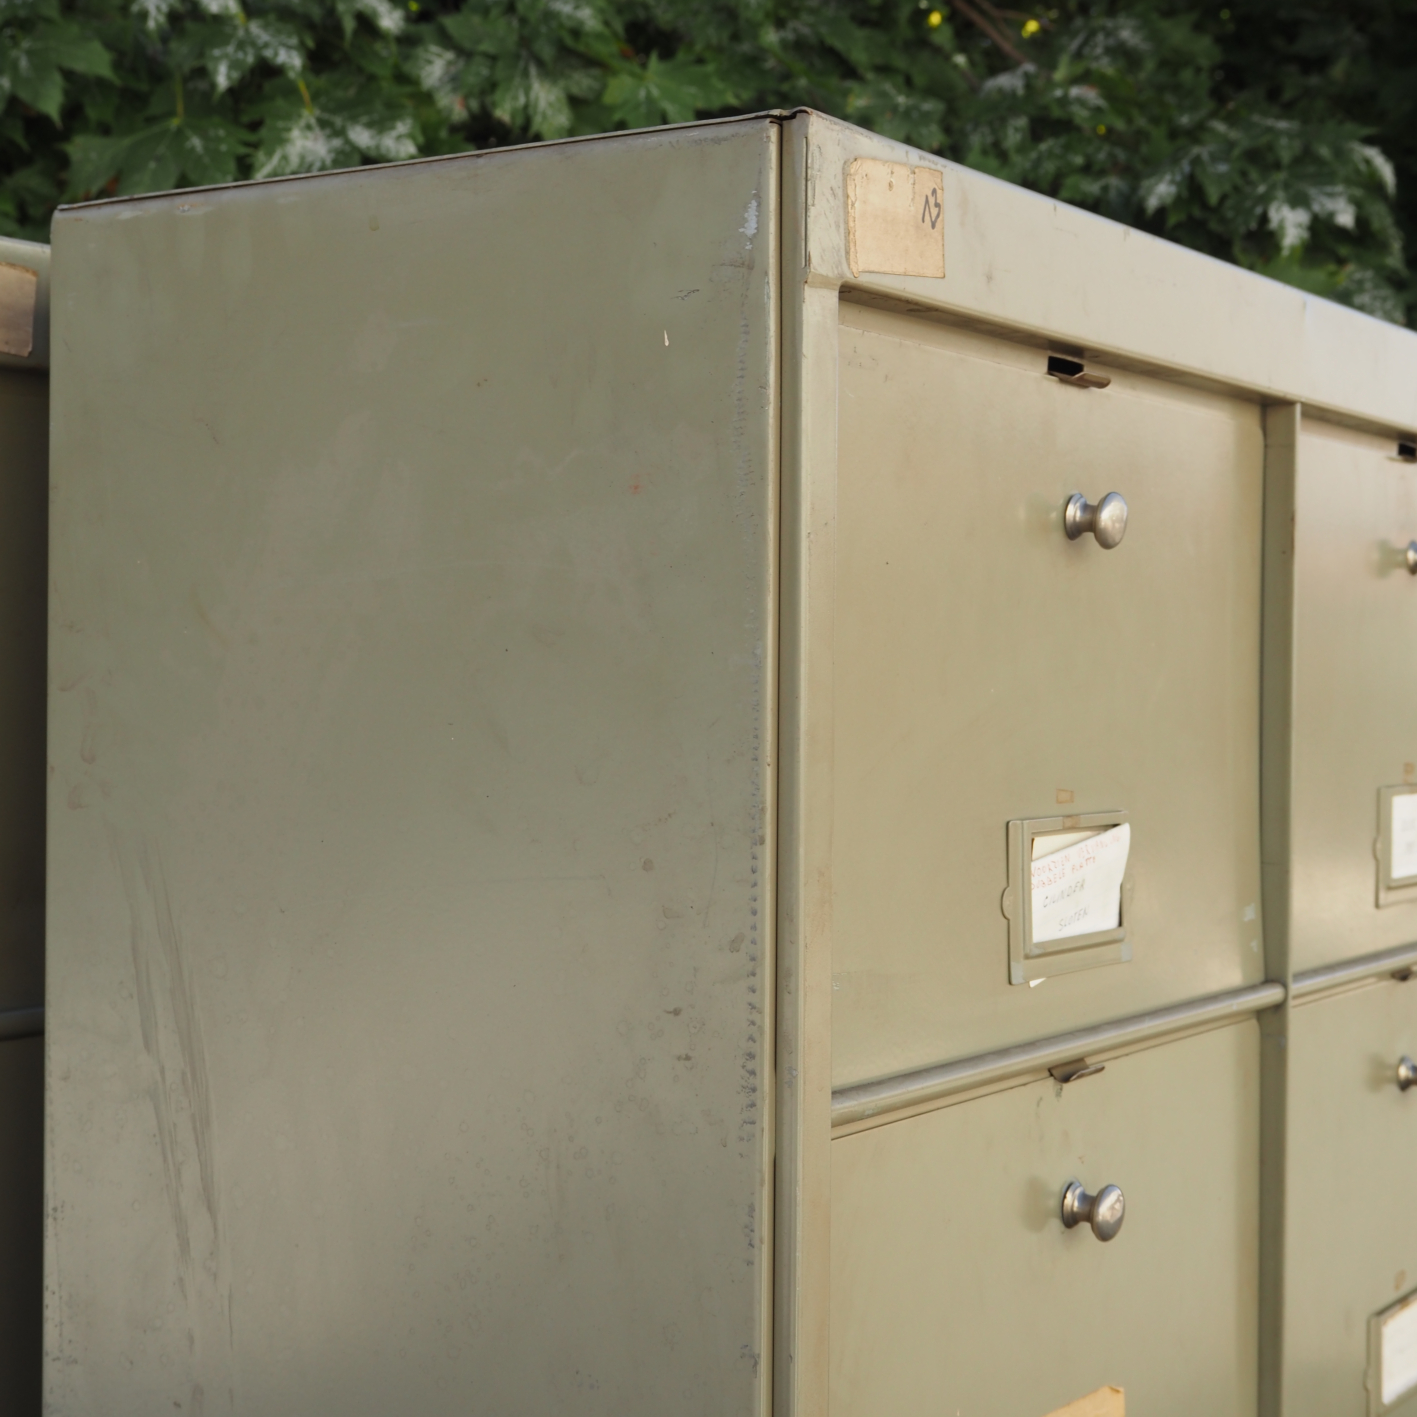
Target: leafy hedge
{"x":1256,"y":138}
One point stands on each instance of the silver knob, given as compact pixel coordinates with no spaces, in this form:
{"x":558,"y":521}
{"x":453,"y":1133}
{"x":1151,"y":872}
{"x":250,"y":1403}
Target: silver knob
{"x":1104,"y":1211}
{"x":1410,"y":556}
{"x":1106,"y":520}
{"x":1406,"y":1072}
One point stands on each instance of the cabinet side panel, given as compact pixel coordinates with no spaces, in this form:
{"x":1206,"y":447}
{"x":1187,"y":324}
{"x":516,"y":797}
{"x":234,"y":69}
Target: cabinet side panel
{"x":410,"y":701}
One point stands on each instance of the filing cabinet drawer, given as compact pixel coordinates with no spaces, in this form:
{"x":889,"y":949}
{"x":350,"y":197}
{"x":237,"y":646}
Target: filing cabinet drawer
{"x":989,"y":669}
{"x":1351,"y":1249}
{"x":1355,"y":733}
{"x":956,"y":1288}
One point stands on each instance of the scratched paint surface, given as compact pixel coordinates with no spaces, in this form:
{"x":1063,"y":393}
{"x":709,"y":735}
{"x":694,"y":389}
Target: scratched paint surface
{"x":409,"y":711}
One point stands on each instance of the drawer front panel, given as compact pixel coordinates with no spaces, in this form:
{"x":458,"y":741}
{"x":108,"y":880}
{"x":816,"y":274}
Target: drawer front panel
{"x":956,"y":1289}
{"x":1351,"y":1247}
{"x":1355,"y":730}
{"x":989,"y":669}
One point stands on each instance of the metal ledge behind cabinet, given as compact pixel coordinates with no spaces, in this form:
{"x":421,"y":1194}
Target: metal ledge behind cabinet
{"x":872,"y":1103}
{"x":21,"y":1023}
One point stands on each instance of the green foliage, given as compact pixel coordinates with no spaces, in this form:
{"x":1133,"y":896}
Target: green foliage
{"x":1126,"y":113}
{"x":1259,"y":141}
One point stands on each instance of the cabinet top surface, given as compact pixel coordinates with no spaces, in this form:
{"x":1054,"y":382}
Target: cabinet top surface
{"x":1017,"y":261}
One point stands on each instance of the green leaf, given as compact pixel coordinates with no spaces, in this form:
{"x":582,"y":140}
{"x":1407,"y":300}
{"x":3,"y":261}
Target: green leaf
{"x":242,"y":46}
{"x":530,"y":98}
{"x":384,"y":15}
{"x":16,"y":11}
{"x":664,"y":91}
{"x":32,"y":66}
{"x":192,"y":152}
{"x":347,"y":124}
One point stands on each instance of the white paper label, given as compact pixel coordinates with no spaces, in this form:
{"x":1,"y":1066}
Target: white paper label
{"x":1078,"y":890}
{"x":1399,"y":1345}
{"x":1404,"y":836}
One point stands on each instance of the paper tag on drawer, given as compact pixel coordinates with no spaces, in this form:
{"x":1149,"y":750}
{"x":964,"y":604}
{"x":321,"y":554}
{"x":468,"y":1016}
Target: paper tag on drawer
{"x":1404,"y":836}
{"x":18,"y":295}
{"x":1393,"y":1352}
{"x":1105,"y":1402}
{"x":1078,"y":890}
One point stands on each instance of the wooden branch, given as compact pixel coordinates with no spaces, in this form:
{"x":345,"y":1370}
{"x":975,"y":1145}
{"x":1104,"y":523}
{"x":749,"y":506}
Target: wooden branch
{"x":992,"y":31}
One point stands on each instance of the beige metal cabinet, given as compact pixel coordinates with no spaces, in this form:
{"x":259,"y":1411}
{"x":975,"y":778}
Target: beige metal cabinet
{"x":956,"y":1288}
{"x":1355,"y":733}
{"x":24,"y":429}
{"x":1351,"y":1250}
{"x":563,"y":662}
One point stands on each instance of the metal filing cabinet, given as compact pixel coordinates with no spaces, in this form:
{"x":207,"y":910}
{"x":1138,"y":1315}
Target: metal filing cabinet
{"x":576,"y":675}
{"x":24,"y":430}
{"x":1344,"y":890}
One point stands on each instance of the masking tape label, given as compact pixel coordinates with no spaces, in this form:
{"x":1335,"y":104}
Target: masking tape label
{"x":19,"y":287}
{"x":895,"y":218}
{"x":1105,"y":1402}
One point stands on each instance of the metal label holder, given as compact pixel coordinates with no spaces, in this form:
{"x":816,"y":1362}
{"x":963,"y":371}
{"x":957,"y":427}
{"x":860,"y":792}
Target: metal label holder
{"x":1373,"y":1378}
{"x":1391,"y":891}
{"x":1030,"y":960}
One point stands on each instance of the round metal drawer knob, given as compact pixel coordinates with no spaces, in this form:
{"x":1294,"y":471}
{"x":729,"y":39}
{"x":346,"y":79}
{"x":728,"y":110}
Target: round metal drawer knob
{"x":1104,"y":1211}
{"x":1406,"y":1072}
{"x":1106,"y":520}
{"x":1410,"y":555}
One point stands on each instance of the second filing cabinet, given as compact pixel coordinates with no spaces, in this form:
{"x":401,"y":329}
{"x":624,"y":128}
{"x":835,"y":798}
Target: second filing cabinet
{"x":1344,"y":889}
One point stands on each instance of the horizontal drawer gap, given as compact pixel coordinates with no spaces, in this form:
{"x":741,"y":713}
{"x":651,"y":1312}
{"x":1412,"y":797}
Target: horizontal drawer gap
{"x":924,"y":1085}
{"x":1331,"y":977}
